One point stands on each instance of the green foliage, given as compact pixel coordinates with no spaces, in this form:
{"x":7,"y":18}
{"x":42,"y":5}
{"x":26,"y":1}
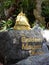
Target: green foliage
{"x":1,"y":9}
{"x":28,"y":6}
{"x":6,"y":24}
{"x":8,"y":3}
{"x":5,"y":4}
{"x":41,"y":25}
{"x":45,"y":11}
{"x":45,"y":8}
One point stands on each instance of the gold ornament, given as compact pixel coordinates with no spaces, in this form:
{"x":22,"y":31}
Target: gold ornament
{"x":22,"y":22}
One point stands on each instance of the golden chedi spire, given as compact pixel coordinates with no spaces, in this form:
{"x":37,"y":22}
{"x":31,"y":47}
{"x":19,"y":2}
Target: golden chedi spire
{"x":22,"y":22}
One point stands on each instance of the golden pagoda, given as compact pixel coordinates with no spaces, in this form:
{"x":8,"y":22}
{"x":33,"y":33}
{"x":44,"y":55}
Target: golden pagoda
{"x":22,"y":22}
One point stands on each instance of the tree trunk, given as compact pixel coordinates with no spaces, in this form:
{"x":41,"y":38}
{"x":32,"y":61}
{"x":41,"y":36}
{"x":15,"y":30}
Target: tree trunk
{"x":37,"y":12}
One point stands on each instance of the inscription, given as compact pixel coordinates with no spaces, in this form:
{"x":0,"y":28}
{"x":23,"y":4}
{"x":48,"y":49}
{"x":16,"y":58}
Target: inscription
{"x":24,"y":39}
{"x":31,"y":45}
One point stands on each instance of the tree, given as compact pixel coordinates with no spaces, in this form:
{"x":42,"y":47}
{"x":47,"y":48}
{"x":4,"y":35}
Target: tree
{"x":37,"y":12}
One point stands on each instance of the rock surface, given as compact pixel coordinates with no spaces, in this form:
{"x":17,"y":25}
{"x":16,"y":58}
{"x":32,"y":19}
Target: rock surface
{"x":11,"y":45}
{"x":35,"y":60}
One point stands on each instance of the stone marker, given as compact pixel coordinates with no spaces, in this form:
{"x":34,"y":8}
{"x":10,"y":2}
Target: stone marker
{"x":11,"y":44}
{"x":16,"y":45}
